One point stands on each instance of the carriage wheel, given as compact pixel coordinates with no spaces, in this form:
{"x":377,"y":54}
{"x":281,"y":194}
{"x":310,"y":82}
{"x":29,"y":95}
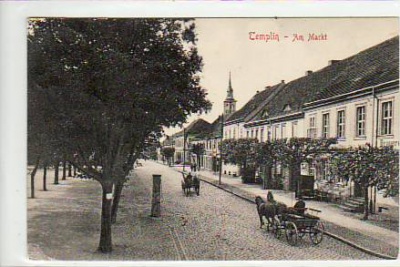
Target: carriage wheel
{"x":317,"y":233}
{"x":197,"y":188}
{"x":291,"y":233}
{"x":276,"y":227}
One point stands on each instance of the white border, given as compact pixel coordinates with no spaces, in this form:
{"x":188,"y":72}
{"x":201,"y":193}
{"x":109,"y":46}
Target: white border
{"x":13,"y":97}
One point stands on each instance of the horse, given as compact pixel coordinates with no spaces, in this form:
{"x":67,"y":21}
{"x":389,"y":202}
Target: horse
{"x":269,"y":210}
{"x":190,"y":181}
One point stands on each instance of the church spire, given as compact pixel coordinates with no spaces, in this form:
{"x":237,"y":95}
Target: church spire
{"x":229,"y":95}
{"x":230,"y":102}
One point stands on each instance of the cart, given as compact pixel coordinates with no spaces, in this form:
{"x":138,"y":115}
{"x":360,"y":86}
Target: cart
{"x":187,"y":184}
{"x":296,"y":226}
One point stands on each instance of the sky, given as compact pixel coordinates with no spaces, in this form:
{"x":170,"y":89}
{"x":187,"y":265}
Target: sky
{"x":237,"y":45}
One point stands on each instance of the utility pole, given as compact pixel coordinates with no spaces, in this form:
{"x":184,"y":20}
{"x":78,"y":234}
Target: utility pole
{"x":220,"y":149}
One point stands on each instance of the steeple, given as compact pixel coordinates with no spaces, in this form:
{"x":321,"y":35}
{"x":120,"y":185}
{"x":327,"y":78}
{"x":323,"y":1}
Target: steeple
{"x":230,"y":102}
{"x":230,"y":89}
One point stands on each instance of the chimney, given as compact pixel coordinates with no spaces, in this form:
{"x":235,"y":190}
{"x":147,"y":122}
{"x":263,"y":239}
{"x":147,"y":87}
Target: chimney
{"x":331,"y":62}
{"x":282,"y":81}
{"x":308,"y":72}
{"x":257,"y":92}
{"x":267,"y":87}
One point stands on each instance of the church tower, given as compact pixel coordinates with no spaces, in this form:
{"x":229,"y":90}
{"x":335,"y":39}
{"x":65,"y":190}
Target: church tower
{"x":229,"y":102}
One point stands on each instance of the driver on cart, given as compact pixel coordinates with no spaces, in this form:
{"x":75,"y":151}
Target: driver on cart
{"x":299,"y":207}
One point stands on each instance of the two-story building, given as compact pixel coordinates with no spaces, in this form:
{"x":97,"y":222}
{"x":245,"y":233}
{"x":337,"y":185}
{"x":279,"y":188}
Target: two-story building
{"x":353,"y":99}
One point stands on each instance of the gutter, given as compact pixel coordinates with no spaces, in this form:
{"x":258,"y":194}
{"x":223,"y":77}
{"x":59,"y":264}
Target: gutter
{"x":299,"y":114}
{"x":390,"y":85}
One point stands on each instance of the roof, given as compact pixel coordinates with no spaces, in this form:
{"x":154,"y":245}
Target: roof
{"x":372,"y":66}
{"x":198,"y":128}
{"x":255,"y":102}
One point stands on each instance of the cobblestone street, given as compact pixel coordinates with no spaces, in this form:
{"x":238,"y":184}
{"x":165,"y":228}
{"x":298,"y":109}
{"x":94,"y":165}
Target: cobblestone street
{"x":213,"y":226}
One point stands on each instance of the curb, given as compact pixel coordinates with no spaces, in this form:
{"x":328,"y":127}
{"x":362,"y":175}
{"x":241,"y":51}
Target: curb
{"x":339,"y":238}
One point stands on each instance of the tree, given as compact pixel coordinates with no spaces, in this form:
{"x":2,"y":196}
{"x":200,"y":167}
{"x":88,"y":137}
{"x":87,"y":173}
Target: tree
{"x":266,"y":157}
{"x":168,"y":153}
{"x":100,"y":83}
{"x":368,"y":166}
{"x":199,"y":150}
{"x":241,"y":152}
{"x":294,"y":151}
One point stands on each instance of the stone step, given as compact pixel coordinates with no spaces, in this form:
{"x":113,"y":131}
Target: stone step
{"x":355,"y":202}
{"x":351,"y":205}
{"x":351,"y":209}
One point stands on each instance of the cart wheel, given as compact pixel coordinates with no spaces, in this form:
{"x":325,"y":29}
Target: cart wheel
{"x":276,"y":227}
{"x":291,"y":233}
{"x":317,"y":233}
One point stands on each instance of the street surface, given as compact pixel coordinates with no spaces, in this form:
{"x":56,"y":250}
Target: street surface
{"x":213,"y":226}
{"x":219,"y":226}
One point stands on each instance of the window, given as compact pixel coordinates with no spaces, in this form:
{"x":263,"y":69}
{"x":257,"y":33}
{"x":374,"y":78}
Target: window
{"x":262,"y":135}
{"x":247,"y":134}
{"x":294,"y":129}
{"x":360,"y":127}
{"x":252,"y":133}
{"x":341,"y":124}
{"x":269,"y":133}
{"x":283,"y":130}
{"x":256,"y":134}
{"x":275,"y":132}
{"x":312,"y":130}
{"x":387,"y":116}
{"x":325,"y":125}
{"x":234,"y":133}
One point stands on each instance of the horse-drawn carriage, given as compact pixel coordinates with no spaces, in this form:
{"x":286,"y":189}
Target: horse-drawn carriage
{"x":293,"y":221}
{"x":190,"y":182}
{"x":296,"y":226}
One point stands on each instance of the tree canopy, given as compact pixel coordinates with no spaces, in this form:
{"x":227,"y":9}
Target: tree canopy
{"x":98,"y":87}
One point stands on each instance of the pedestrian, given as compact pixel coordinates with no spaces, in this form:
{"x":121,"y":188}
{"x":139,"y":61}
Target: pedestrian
{"x":195,"y":166}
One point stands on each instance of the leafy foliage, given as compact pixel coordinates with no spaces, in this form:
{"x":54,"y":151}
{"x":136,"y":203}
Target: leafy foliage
{"x":100,"y":87}
{"x":168,"y":152}
{"x":239,"y":151}
{"x":369,"y":166}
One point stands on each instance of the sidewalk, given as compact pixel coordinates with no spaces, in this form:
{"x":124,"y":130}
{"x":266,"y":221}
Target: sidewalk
{"x":338,"y":224}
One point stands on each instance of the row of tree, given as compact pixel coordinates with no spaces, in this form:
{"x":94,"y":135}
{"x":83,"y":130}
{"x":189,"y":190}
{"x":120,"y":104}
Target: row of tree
{"x":99,"y":88}
{"x":365,"y":165}
{"x":249,"y":153}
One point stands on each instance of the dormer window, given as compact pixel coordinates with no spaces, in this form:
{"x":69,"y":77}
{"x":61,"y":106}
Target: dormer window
{"x":287,"y":108}
{"x":265,"y":114}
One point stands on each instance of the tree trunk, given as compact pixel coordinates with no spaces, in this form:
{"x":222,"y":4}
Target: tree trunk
{"x":268,"y":177}
{"x":74,"y":171}
{"x":69,"y":169}
{"x":117,"y":196}
{"x":44,"y":177}
{"x":366,"y":206}
{"x":358,"y":190}
{"x":105,"y":245}
{"x":56,"y":168}
{"x":33,"y":173}
{"x":64,"y":173}
{"x":294,"y":176}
